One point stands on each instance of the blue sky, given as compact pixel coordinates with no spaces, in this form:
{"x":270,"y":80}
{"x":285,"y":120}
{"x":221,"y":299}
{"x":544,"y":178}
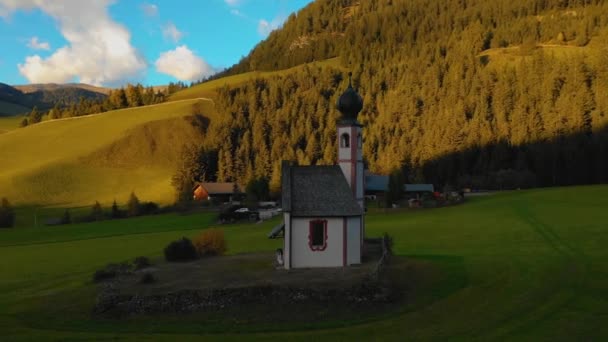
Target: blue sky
{"x":112,"y":42}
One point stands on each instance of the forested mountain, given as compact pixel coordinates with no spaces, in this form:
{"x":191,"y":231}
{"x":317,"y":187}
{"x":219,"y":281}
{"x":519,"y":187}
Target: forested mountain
{"x":504,"y":93}
{"x":30,"y":88}
{"x":46,"y":96}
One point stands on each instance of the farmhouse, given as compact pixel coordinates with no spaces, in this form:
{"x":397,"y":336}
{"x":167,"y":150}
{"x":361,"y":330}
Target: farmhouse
{"x":378,"y":185}
{"x":215,"y":191}
{"x":323,"y":206}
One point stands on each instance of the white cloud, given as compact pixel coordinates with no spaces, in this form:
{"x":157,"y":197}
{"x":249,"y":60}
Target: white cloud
{"x":238,"y":13}
{"x":35,"y":44}
{"x":265,"y":27}
{"x":183,"y":64}
{"x":150,"y":10}
{"x":98,"y":52}
{"x":170,"y":31}
{"x":232,"y":2}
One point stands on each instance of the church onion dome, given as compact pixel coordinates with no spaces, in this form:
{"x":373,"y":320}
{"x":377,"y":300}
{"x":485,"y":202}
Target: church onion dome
{"x":350,"y":103}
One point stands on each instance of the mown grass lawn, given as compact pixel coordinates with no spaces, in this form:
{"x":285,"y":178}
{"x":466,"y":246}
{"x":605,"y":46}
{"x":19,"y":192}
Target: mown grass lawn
{"x":533,"y":266}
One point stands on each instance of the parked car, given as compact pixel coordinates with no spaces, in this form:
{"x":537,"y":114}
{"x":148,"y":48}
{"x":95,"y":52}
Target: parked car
{"x":240,"y":213}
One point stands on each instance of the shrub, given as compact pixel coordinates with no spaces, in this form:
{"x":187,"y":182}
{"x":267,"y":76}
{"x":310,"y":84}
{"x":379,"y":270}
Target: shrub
{"x":180,"y":250}
{"x":147,"y":278}
{"x":210,"y":242}
{"x":103,"y":274}
{"x":141,"y":262}
{"x":148,"y":208}
{"x":111,"y":271}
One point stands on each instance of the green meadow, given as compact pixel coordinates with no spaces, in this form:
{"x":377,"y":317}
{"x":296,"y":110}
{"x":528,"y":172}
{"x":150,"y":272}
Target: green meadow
{"x":522,"y":265}
{"x":9,"y":123}
{"x":208,"y":89}
{"x":102,"y":157}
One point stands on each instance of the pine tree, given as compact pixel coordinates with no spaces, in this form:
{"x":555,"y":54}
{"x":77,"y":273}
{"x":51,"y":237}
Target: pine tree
{"x":96,"y":212}
{"x":35,"y":116}
{"x":115,"y":211}
{"x":133,"y":206}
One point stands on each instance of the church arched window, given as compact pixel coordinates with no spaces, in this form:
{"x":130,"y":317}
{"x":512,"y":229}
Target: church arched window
{"x":345,"y":140}
{"x":359,"y":141}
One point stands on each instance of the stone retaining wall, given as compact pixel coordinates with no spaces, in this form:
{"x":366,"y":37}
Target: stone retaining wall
{"x":109,"y":303}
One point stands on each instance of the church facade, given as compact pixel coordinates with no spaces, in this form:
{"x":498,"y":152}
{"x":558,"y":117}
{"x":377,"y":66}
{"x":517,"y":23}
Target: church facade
{"x":323,"y":206}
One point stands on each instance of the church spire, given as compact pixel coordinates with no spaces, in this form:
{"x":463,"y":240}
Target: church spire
{"x":349,"y":103}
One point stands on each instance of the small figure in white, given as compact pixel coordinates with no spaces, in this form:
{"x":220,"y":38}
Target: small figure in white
{"x":279,"y":255}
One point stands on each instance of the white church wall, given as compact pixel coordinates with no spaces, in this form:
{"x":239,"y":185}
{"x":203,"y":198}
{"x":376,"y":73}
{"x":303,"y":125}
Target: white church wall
{"x":301,"y":253}
{"x":344,"y":153}
{"x":346,"y":167}
{"x":360,"y":179}
{"x":354,"y":240}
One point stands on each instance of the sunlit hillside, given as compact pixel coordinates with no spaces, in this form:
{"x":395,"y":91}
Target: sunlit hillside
{"x":208,"y":89}
{"x":100,"y":157}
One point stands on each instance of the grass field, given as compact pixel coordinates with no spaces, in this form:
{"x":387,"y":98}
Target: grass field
{"x":9,"y":123}
{"x":99,"y":157}
{"x":208,"y":89}
{"x":531,"y":265}
{"x":513,"y":54}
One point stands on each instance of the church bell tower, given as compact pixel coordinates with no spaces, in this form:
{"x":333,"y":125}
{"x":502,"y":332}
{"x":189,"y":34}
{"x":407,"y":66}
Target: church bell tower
{"x":350,"y":141}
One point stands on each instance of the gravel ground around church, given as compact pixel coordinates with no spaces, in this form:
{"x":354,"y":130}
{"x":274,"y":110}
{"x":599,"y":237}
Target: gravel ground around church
{"x":239,"y":271}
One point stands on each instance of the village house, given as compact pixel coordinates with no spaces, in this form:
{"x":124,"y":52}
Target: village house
{"x":377,"y":185}
{"x":323,"y":206}
{"x":221,"y":192}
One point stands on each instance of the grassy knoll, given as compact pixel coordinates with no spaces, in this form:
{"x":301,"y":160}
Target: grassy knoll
{"x":514,"y":54}
{"x":528,"y":265}
{"x":99,"y":157}
{"x":208,"y":89}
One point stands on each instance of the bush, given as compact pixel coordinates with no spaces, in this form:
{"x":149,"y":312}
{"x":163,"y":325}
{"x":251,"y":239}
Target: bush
{"x":103,"y":274}
{"x":180,"y":250}
{"x":149,"y":208}
{"x":141,"y":262}
{"x":147,"y":278}
{"x":111,"y":271}
{"x":210,"y":242}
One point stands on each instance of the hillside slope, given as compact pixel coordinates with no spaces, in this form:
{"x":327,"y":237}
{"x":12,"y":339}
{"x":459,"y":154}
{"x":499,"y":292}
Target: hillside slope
{"x":21,"y":99}
{"x":465,"y":93}
{"x":34,"y":87}
{"x":98,"y":157}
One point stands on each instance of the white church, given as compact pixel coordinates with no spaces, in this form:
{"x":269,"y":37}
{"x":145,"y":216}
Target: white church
{"x":323,"y":206}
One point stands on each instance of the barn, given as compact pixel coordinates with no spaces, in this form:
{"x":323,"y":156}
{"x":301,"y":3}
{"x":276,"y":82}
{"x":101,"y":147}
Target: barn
{"x":223,"y":192}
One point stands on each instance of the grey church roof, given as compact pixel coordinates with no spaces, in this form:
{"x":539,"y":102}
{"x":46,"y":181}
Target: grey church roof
{"x":317,"y":191}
